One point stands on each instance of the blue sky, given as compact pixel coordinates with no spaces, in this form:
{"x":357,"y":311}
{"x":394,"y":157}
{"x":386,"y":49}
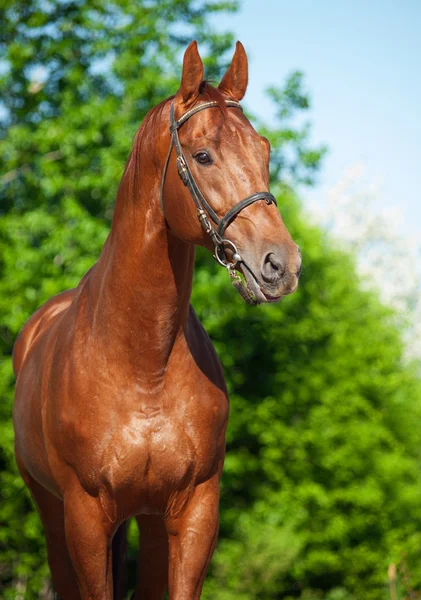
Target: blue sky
{"x":362,"y":66}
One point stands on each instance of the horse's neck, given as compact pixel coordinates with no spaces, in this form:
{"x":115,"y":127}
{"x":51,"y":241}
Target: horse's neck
{"x":143,"y":279}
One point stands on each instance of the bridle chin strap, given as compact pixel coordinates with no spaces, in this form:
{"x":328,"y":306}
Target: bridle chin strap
{"x":205,"y":212}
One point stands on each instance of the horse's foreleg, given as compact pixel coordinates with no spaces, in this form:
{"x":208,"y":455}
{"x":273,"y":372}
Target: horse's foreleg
{"x":192,"y":540}
{"x":51,"y":512}
{"x":152,"y":568}
{"x":89,"y":534}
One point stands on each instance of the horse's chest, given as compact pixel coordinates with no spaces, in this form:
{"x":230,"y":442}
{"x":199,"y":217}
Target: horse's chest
{"x":155,"y":454}
{"x":151,"y":448}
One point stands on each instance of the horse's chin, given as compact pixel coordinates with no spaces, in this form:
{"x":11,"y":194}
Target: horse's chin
{"x":260,"y":295}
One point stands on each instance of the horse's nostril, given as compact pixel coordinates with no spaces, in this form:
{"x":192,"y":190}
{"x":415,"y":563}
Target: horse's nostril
{"x":273,"y":268}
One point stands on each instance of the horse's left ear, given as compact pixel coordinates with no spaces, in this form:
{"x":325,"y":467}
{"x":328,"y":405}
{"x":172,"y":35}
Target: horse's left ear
{"x":234,"y":82}
{"x":192,"y":76}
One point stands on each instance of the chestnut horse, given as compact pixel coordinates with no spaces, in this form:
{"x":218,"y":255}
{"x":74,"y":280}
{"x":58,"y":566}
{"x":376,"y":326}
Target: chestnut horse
{"x":121,"y":406}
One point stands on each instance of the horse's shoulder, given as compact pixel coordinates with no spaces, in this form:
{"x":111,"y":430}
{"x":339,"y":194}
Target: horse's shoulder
{"x":38,"y":323}
{"x":42,"y":319}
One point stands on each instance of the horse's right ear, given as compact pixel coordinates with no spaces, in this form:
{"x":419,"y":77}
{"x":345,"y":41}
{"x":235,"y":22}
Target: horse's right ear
{"x":192,"y":76}
{"x":234,"y":82}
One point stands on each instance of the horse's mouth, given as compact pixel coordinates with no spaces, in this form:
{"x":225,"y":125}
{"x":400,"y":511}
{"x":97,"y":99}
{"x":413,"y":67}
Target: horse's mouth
{"x":254,"y":287}
{"x":270,"y":298}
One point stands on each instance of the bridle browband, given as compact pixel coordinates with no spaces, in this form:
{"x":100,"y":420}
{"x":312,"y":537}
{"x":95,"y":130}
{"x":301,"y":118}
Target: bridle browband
{"x":205,"y":212}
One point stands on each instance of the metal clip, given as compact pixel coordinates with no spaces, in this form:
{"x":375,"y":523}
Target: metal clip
{"x":234,"y":276}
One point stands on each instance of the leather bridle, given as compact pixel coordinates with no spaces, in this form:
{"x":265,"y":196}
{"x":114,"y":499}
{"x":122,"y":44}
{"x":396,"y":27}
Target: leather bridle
{"x":205,"y":212}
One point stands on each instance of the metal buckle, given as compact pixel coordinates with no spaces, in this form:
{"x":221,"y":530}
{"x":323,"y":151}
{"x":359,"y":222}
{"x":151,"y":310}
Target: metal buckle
{"x":182,"y":169}
{"x":204,"y":220}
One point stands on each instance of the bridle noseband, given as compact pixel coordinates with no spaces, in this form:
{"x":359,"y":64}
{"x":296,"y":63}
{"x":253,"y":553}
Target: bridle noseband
{"x":205,"y":212}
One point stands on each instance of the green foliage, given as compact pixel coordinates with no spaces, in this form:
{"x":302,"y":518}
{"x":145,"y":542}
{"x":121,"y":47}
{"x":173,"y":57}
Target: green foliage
{"x":291,"y":157}
{"x":321,"y":489}
{"x":322,"y":430}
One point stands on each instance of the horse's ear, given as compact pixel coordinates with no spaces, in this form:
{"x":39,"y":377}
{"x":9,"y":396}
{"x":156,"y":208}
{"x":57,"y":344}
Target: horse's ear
{"x":192,"y":75}
{"x":234,"y":82}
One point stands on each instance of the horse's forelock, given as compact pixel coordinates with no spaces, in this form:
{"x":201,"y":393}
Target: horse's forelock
{"x":206,"y":93}
{"x":209,"y":93}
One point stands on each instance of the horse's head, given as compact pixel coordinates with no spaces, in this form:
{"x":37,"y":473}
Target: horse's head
{"x":224,"y":164}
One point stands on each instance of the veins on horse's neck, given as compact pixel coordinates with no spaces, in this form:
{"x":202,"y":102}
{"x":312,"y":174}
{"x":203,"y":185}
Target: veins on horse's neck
{"x":145,"y":276}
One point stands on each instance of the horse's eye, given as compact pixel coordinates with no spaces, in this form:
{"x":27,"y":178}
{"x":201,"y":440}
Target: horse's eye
{"x":203,"y":158}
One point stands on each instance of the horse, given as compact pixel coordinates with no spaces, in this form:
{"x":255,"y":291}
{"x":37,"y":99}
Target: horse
{"x":121,"y":406}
